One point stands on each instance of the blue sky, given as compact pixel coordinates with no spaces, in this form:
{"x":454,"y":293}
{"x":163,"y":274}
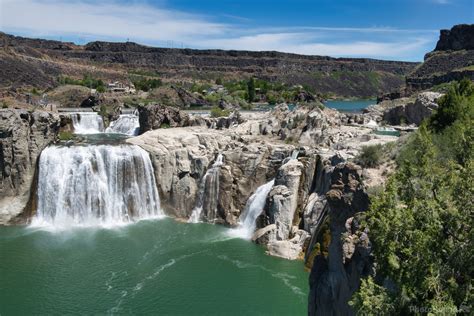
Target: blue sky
{"x":385,"y":29}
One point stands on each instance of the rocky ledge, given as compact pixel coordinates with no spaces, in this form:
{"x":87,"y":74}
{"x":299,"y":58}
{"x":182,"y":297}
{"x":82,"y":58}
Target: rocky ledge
{"x":24,"y":135}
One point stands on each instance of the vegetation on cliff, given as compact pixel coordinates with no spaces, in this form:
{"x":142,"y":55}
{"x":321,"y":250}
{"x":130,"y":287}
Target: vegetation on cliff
{"x":421,"y":226}
{"x":87,"y":81}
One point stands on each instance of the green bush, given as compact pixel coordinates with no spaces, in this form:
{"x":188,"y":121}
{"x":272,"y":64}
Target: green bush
{"x":218,"y":112}
{"x":370,"y":156}
{"x":65,"y":135}
{"x":87,"y":81}
{"x":213,"y":98}
{"x":372,"y":299}
{"x":145,"y":84}
{"x":451,"y":106}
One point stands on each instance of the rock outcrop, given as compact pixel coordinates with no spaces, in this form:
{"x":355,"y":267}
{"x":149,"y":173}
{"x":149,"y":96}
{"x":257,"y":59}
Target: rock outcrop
{"x":335,"y":274}
{"x":458,"y":38}
{"x":24,"y":135}
{"x":154,"y":116}
{"x":181,"y":157}
{"x":452,"y":59}
{"x":411,"y":110}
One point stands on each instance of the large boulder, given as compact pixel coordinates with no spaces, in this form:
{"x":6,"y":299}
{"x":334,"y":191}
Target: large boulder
{"x":413,"y":112}
{"x":422,"y":108}
{"x":23,"y":135}
{"x":154,"y":116}
{"x":190,"y":99}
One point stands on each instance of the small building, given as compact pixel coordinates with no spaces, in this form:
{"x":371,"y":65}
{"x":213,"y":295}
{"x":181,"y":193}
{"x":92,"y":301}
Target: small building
{"x":118,"y":86}
{"x":215,"y":89}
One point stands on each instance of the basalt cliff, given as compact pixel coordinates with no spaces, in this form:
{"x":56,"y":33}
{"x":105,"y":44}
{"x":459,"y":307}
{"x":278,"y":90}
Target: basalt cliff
{"x":37,"y":62}
{"x":452,"y":59}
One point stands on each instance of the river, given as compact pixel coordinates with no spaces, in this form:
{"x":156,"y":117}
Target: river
{"x":149,"y":267}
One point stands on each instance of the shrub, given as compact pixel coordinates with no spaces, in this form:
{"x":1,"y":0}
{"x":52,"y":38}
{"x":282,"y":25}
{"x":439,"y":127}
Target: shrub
{"x":370,"y":156}
{"x":451,"y":106}
{"x":65,"y":135}
{"x":145,"y":84}
{"x":87,"y":81}
{"x":372,"y":299}
{"x":218,"y":112}
{"x":213,"y":98}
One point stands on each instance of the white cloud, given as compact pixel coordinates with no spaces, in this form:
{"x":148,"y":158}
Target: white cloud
{"x":149,"y":25}
{"x":137,"y":21}
{"x":298,"y":43}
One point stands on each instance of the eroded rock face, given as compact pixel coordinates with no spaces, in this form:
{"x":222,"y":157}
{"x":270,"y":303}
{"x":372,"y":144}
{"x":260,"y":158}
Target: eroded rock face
{"x":156,"y":116}
{"x":451,"y":60}
{"x":407,"y":110}
{"x":181,"y":157}
{"x":283,"y":198}
{"x":23,"y":136}
{"x":335,"y":277}
{"x":459,"y":37}
{"x":189,"y":65}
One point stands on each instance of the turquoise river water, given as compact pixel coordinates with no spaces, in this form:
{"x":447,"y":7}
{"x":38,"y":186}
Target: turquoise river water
{"x":160,"y":267}
{"x":349,"y":105}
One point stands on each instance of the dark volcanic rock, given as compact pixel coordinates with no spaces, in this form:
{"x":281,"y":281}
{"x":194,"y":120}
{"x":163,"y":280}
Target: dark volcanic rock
{"x":89,"y":102}
{"x":459,"y":37}
{"x":336,"y":277}
{"x":189,"y":99}
{"x":304,"y":96}
{"x":156,"y":116}
{"x":453,"y":59}
{"x":341,"y":76}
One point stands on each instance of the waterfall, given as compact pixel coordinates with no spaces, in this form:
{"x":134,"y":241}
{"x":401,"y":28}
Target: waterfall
{"x":253,"y":209}
{"x":95,"y":185}
{"x":208,"y":195}
{"x":126,"y":124}
{"x":294,"y":154}
{"x":87,"y":123}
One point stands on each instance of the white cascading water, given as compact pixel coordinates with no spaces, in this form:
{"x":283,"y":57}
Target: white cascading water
{"x":127,"y":124}
{"x":87,"y":123}
{"x":253,"y":209}
{"x":210,"y":184}
{"x":95,"y":185}
{"x":294,"y":154}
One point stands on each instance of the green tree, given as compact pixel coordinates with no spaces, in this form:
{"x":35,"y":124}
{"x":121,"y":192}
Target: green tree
{"x":251,"y":89}
{"x":421,"y":226}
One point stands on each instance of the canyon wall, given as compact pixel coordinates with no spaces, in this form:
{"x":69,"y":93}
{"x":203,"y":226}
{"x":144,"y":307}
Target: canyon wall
{"x":39,"y":62}
{"x":452,"y":59}
{"x":23,"y":135}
